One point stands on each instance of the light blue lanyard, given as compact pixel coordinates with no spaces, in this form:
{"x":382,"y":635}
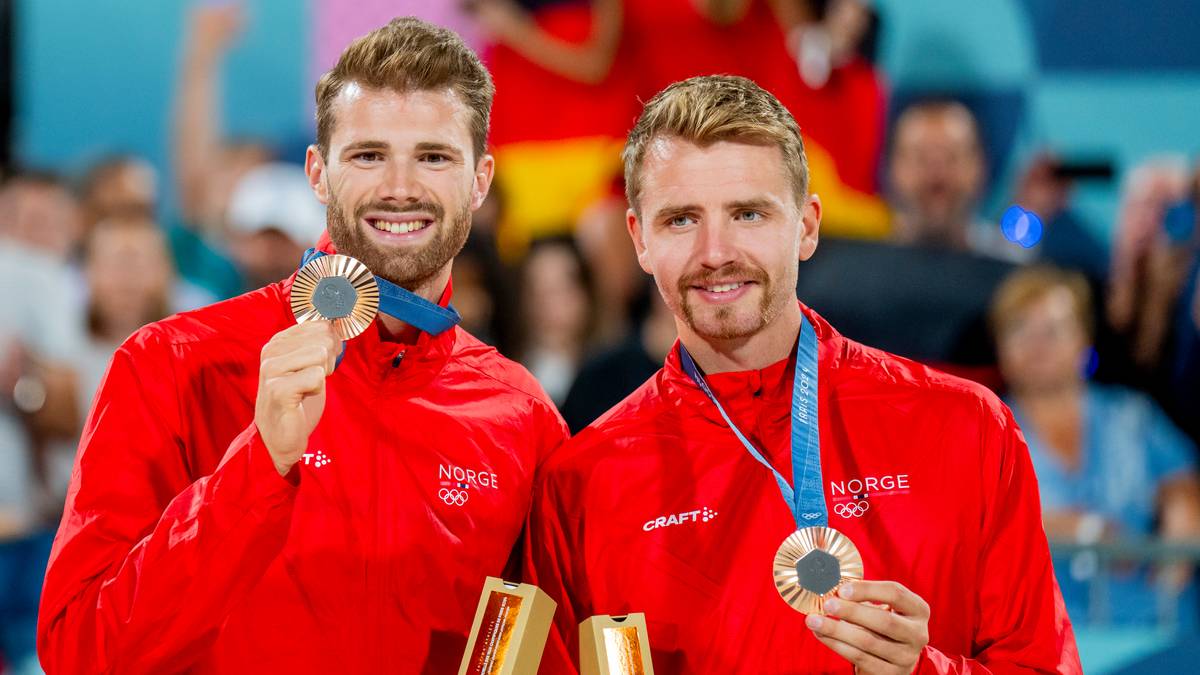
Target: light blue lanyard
{"x":408,"y":307}
{"x":807,"y":503}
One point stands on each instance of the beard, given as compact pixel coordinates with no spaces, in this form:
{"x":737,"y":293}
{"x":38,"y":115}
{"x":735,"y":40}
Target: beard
{"x":409,"y":269}
{"x":735,"y":320}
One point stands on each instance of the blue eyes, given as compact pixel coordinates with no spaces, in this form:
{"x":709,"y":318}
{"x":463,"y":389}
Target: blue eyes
{"x":741,"y":216}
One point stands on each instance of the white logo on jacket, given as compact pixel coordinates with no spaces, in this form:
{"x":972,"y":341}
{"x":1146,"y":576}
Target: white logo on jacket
{"x":456,"y":483}
{"x":850,"y":497}
{"x":701,"y":515}
{"x":317,"y":459}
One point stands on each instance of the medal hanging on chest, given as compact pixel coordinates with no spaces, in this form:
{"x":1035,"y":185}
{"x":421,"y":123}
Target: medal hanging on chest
{"x":815,"y":560}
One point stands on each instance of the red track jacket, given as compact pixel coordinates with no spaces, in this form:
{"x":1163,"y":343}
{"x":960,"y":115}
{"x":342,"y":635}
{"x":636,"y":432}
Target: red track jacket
{"x":658,"y":508}
{"x":182,"y":549}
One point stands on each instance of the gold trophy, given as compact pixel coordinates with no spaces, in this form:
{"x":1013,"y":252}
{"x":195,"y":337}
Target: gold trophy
{"x":615,"y":645}
{"x":511,"y":625}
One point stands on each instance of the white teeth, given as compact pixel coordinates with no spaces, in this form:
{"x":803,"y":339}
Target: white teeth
{"x":398,"y":228}
{"x":723,"y":288}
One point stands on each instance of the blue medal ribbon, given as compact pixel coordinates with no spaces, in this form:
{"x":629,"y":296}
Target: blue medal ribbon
{"x":807,"y":500}
{"x":404,"y":305}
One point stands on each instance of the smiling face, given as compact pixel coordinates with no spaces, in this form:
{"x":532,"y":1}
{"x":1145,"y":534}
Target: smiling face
{"x":400,"y":180}
{"x":719,"y":228}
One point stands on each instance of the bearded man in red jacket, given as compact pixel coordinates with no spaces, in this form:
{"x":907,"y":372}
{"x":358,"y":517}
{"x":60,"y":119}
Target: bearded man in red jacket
{"x":250,"y":498}
{"x":778,"y":498}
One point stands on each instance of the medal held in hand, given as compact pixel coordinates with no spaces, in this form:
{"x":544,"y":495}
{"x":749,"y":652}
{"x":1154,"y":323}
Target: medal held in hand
{"x":339,"y":289}
{"x":816,"y":559}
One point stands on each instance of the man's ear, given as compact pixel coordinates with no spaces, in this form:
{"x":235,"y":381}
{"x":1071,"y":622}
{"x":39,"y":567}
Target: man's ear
{"x":314,"y":168}
{"x":485,"y":170}
{"x":634,"y":227}
{"x":810,"y":226}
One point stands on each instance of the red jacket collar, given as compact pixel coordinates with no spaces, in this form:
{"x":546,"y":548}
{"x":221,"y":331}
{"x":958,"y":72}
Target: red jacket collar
{"x":772,"y":382}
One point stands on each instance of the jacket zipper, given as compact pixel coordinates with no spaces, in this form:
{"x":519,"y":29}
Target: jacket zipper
{"x":396,"y":361}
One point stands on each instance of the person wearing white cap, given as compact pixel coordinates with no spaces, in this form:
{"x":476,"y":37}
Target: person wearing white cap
{"x":272,"y":219}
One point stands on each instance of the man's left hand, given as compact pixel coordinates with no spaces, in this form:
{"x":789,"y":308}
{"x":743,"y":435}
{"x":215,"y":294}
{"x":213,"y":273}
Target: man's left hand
{"x":876,"y":639}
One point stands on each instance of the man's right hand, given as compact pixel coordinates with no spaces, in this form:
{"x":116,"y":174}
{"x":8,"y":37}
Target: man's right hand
{"x":291,"y":388}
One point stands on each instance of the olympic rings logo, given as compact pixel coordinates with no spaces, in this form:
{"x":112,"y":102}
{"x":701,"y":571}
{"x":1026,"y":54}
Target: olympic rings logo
{"x":453,"y":497}
{"x":851,"y":509}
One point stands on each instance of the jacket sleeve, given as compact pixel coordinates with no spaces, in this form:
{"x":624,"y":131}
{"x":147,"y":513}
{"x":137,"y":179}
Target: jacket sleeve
{"x":546,"y":565}
{"x":149,"y":559}
{"x":1022,"y":623}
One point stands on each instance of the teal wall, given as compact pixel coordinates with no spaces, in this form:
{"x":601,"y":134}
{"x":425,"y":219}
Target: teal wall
{"x":98,"y":77}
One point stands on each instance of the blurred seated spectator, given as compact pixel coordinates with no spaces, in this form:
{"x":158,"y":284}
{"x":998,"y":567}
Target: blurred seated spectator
{"x":603,"y":238}
{"x":130,"y":282}
{"x":608,"y":377}
{"x":557,"y":313}
{"x":273,"y":219}
{"x":1109,"y":463}
{"x":118,"y":185}
{"x":38,"y":336}
{"x":936,"y":180}
{"x":482,"y":291}
{"x":38,"y":209}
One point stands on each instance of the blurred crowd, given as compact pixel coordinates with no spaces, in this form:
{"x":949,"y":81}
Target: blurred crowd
{"x":1094,"y":344}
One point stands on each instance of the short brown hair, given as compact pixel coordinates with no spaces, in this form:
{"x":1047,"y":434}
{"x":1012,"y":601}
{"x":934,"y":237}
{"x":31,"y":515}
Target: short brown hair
{"x":1026,"y":286}
{"x":712,"y":108}
{"x":409,"y":55}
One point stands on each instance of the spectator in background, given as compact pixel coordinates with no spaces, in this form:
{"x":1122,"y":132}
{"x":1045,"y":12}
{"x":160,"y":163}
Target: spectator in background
{"x":125,"y":188}
{"x":272,"y":220}
{"x":38,"y":209}
{"x":207,"y":165}
{"x":607,"y":378}
{"x":936,"y":179}
{"x":557,"y":313}
{"x":130,"y":282}
{"x":562,"y":56}
{"x":604,"y":242}
{"x":115,"y":185}
{"x":1045,"y":188}
{"x":839,"y":99}
{"x":1108,"y":461}
{"x":38,"y":336}
{"x":1149,"y":269}
{"x":482,"y":292}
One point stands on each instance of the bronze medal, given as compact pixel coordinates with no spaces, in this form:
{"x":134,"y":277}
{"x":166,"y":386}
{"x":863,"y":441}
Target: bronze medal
{"x":339,"y":289}
{"x":812,"y":564}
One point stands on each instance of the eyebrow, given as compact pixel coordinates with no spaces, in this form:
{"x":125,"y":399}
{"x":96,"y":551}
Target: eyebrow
{"x":365,"y":145}
{"x":675,"y":210}
{"x":760,"y":203}
{"x":429,"y":146}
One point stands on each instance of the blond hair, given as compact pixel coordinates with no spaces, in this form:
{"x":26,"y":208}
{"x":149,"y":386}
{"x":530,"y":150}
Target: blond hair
{"x":1026,"y":286}
{"x":705,"y":110}
{"x":409,"y":55}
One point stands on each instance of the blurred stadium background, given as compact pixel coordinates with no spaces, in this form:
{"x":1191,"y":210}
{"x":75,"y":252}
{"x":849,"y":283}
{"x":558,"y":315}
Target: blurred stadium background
{"x":168,"y":135}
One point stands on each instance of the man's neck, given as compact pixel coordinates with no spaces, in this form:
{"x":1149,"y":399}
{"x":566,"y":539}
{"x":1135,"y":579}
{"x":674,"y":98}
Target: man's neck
{"x":771,"y":344}
{"x":395,"y":330}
